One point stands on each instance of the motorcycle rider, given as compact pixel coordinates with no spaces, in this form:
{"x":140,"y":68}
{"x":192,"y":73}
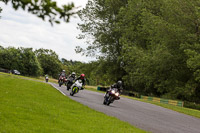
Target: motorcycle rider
{"x":73,"y":76}
{"x":63,"y":74}
{"x":46,"y":77}
{"x":117,"y":85}
{"x":81,"y":77}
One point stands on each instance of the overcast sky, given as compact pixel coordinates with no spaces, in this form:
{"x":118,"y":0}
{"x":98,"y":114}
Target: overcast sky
{"x":22,"y":29}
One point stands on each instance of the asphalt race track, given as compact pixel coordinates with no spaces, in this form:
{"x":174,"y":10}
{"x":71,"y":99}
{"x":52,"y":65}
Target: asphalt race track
{"x":142,"y":115}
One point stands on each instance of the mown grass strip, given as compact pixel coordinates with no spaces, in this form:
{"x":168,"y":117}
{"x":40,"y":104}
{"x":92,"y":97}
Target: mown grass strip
{"x":42,"y":79}
{"x":35,"y":107}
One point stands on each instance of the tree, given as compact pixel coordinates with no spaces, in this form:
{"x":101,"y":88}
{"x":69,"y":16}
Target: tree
{"x":100,"y":17}
{"x":9,"y":58}
{"x":100,"y":23}
{"x":193,"y":63}
{"x":0,"y":11}
{"x":152,"y":45}
{"x":22,"y":59}
{"x":29,"y":64}
{"x":49,"y":62}
{"x":44,"y":9}
{"x":153,"y":33}
{"x":71,"y":66}
{"x":1,"y":47}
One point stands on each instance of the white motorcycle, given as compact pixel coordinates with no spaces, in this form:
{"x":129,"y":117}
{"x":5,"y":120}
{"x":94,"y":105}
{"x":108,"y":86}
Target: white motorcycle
{"x":76,"y":87}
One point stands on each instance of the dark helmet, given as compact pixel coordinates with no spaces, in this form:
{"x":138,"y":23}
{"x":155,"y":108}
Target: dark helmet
{"x":119,"y":83}
{"x":82,"y":76}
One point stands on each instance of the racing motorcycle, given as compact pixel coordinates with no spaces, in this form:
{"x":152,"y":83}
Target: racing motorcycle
{"x":46,"y":78}
{"x":76,"y":87}
{"x":61,"y":80}
{"x":69,"y":82}
{"x":111,"y":95}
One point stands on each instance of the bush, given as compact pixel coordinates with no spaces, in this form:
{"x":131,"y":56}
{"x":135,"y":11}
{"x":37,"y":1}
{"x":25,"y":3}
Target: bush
{"x":191,"y":105}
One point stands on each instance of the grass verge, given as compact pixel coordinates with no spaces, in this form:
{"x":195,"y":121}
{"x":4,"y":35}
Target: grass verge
{"x":30,"y":106}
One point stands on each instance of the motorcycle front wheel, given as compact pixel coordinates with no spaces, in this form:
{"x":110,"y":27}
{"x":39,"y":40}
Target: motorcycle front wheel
{"x":74,"y":90}
{"x":110,"y":100}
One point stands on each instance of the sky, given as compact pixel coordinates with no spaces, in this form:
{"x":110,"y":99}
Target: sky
{"x":22,"y":29}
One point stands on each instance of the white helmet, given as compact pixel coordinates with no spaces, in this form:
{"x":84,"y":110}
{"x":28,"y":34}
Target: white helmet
{"x":73,"y":73}
{"x":63,"y":70}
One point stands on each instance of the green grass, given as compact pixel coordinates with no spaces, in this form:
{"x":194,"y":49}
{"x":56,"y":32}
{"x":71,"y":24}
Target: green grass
{"x":50,"y":79}
{"x":41,"y":78}
{"x":28,"y":106}
{"x":22,"y":77}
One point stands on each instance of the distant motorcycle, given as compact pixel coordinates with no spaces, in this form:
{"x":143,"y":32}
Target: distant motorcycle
{"x":61,"y":80}
{"x":69,"y":82}
{"x":47,"y":78}
{"x":76,"y":87}
{"x":112,"y":95}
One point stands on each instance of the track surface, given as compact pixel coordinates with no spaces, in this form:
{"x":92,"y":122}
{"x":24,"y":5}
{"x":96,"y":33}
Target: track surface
{"x":142,"y":115}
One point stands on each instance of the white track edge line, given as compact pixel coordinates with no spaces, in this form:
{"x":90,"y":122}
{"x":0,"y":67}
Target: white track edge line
{"x":58,"y":89}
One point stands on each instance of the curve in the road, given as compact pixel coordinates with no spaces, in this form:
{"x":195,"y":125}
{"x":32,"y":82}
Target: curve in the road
{"x":140,"y":114}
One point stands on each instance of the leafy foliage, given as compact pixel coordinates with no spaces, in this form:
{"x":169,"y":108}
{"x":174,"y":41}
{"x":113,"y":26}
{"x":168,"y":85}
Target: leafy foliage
{"x":29,"y":62}
{"x":49,"y":61}
{"x":0,"y":11}
{"x":44,"y":9}
{"x":152,"y":45}
{"x":100,"y":24}
{"x":22,"y":59}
